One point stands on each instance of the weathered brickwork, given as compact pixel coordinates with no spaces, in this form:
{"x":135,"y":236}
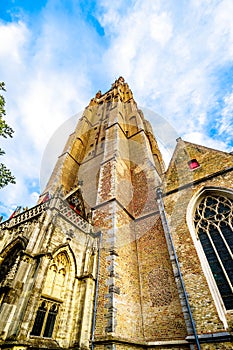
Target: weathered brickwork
{"x":119,"y":289}
{"x":160,"y":300}
{"x":210,"y":161}
{"x":207,"y":176}
{"x":95,"y":265}
{"x":196,"y":285}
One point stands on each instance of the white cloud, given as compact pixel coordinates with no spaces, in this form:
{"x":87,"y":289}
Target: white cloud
{"x":222,"y":31}
{"x":110,"y":14}
{"x":161,"y":28}
{"x":46,"y":74}
{"x":173,"y":67}
{"x":13,"y":37}
{"x":225,"y":125}
{"x":202,"y":139}
{"x":34,"y":196}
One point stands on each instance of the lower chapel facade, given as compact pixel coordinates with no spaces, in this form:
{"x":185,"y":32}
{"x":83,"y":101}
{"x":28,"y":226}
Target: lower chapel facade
{"x":119,"y":253}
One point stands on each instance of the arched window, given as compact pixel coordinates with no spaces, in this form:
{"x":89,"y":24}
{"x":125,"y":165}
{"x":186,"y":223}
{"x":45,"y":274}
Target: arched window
{"x":10,"y":261}
{"x":50,"y":322}
{"x":56,"y":276}
{"x":45,"y":319}
{"x":214,"y":227}
{"x":9,"y":267}
{"x":133,"y":121}
{"x":39,"y":321}
{"x":53,"y":295}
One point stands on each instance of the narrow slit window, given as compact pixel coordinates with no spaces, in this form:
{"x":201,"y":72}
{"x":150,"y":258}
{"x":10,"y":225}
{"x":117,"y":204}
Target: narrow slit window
{"x":193,"y":164}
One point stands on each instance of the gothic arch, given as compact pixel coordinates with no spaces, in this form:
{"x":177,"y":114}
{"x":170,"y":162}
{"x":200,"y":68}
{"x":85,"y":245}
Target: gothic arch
{"x":70,"y":254}
{"x":57,"y":275}
{"x":121,"y":115}
{"x":133,"y":121}
{"x":77,"y":149}
{"x":205,"y":221}
{"x":17,"y":241}
{"x":56,"y":291}
{"x":60,"y":273}
{"x":10,"y":256}
{"x":78,"y":138}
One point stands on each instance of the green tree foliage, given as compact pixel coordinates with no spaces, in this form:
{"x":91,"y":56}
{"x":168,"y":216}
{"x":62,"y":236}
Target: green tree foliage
{"x":5,"y":131}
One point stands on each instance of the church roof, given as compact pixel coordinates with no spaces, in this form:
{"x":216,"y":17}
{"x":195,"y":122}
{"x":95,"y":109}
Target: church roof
{"x":191,"y":162}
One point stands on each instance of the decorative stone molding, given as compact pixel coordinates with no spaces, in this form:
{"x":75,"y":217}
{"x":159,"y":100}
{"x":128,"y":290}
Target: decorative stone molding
{"x":59,"y":204}
{"x":70,"y":215}
{"x":25,"y":216}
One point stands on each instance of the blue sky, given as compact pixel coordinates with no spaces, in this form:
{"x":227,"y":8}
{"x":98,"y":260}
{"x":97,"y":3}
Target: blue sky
{"x":177,"y":57}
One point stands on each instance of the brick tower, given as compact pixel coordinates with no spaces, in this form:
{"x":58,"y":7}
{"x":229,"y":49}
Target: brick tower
{"x":96,"y":264}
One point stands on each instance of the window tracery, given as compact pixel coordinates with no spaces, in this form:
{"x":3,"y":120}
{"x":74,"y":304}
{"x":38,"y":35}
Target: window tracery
{"x":45,"y":319}
{"x":10,"y":262}
{"x":213,"y":221}
{"x":56,"y":276}
{"x":52,"y":296}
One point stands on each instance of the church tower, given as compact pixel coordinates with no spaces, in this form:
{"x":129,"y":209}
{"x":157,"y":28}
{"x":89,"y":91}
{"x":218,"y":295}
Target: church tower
{"x":105,"y":260}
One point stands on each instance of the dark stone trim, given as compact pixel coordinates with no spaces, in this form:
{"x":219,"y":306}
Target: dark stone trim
{"x":92,"y":157}
{"x":212,"y":337}
{"x":70,"y":157}
{"x":196,"y":182}
{"x":116,"y":123}
{"x":108,"y":160}
{"x":125,"y":210}
{"x":110,"y":201}
{"x":84,"y":277}
{"x":143,"y":344}
{"x":114,"y":340}
{"x":148,"y":215}
{"x":136,"y":133}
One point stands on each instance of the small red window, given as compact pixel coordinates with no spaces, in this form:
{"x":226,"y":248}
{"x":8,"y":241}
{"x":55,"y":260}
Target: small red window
{"x":193,"y":164}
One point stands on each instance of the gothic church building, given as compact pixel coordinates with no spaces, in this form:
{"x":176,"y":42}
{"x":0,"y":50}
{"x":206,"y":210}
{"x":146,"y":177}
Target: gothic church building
{"x":119,"y":253}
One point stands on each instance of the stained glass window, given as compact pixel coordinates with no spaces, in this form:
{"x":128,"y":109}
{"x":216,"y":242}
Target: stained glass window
{"x":39,"y":321}
{"x":50,"y":322}
{"x":55,"y":280}
{"x":10,"y":261}
{"x":214,"y":226}
{"x":53,"y":294}
{"x":45,"y":319}
{"x":193,"y":164}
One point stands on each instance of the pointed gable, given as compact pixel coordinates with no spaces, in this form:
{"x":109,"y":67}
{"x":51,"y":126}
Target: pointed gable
{"x":76,"y":202}
{"x":191,"y":162}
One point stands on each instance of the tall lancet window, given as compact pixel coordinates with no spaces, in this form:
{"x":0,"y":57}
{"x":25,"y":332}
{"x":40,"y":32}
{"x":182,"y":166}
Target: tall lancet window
{"x":10,"y":262}
{"x":56,"y":276}
{"x":52,"y":297}
{"x":45,"y":319}
{"x":8,"y":269}
{"x":214,"y":227}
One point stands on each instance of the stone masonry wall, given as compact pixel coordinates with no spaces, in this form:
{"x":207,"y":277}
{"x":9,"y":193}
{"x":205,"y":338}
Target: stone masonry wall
{"x":202,"y":304}
{"x":160,"y":300}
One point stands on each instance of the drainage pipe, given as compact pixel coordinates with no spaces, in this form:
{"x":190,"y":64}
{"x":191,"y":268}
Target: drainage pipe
{"x":168,"y":233}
